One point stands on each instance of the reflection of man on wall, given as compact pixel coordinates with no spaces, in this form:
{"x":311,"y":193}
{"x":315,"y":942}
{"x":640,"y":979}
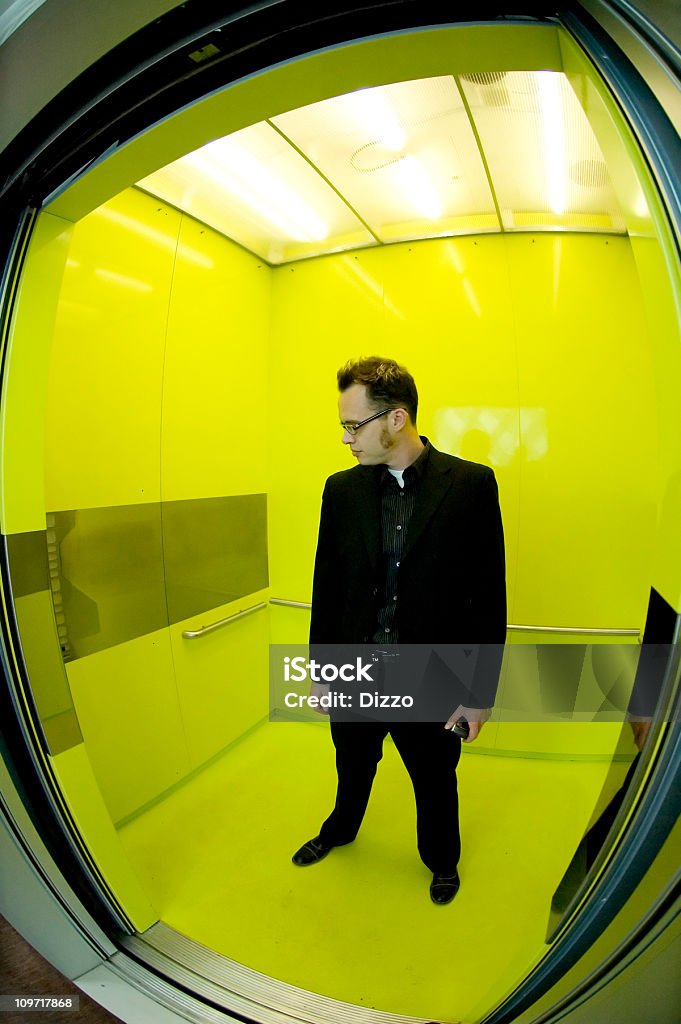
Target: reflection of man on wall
{"x":410,"y":550}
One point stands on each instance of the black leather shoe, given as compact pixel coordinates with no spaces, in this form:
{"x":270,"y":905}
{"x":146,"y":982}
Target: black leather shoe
{"x":311,"y":852}
{"x":444,"y":888}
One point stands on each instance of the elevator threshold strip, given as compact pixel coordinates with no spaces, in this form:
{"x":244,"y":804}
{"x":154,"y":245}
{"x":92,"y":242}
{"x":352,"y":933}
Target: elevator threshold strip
{"x":233,"y":987}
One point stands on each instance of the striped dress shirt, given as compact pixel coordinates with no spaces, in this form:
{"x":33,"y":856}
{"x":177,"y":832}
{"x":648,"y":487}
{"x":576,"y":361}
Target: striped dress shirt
{"x":397,"y":506}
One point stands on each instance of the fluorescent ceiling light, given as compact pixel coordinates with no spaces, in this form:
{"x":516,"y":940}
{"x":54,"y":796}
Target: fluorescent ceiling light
{"x":419,"y":188}
{"x":554,"y":139}
{"x":232,"y":167}
{"x":373,"y":112}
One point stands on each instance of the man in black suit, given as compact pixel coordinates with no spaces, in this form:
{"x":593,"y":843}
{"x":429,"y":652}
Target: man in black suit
{"x":410,"y":551}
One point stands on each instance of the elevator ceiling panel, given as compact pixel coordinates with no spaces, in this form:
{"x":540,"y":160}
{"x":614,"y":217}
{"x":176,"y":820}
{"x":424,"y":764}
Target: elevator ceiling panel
{"x":455,"y":154}
{"x":403,"y":155}
{"x":254,"y":187}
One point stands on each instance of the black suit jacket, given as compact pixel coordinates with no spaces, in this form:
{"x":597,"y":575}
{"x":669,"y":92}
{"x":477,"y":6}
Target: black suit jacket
{"x":451,"y":587}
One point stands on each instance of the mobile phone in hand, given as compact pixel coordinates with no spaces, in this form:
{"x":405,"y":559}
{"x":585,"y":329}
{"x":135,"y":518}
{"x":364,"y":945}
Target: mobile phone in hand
{"x":461,"y":728}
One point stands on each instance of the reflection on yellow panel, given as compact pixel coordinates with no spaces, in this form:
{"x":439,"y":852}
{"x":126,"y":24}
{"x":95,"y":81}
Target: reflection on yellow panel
{"x":77,"y":782}
{"x":126,"y":702}
{"x":214,"y":390}
{"x":565,"y":697}
{"x":25,"y":378}
{"x":222,"y":677}
{"x":104,"y":402}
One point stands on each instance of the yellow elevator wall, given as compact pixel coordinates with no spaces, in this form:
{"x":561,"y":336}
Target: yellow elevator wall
{"x":184,"y":368}
{"x":531,"y":355}
{"x":156,"y":394}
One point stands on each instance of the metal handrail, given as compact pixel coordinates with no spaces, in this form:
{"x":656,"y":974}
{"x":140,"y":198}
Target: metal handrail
{"x":569,"y":630}
{"x":290,"y":604}
{"x":194,"y":634}
{"x":575,"y":630}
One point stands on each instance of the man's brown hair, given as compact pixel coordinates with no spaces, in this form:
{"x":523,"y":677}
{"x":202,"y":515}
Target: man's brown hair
{"x":388,"y":384}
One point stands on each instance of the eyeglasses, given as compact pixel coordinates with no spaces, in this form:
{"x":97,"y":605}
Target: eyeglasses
{"x":352,"y":428}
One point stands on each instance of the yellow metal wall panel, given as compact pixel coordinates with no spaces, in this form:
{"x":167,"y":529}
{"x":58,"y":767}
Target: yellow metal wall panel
{"x":289,"y":625}
{"x":214,"y":392}
{"x":324,"y":311}
{"x":452,"y":324}
{"x":84,"y":799}
{"x":587,"y":424}
{"x":126,"y":701}
{"x":222,"y":677}
{"x":26,"y":377}
{"x":103,"y":416}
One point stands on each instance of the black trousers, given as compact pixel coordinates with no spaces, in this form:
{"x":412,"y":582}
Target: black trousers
{"x":430,"y":754}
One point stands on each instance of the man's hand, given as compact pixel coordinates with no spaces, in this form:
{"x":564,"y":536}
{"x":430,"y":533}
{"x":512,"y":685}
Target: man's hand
{"x":320,"y":690}
{"x":476,"y":718}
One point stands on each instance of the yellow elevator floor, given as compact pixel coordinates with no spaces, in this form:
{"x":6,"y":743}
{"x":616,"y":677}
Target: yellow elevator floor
{"x":215,"y":857}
